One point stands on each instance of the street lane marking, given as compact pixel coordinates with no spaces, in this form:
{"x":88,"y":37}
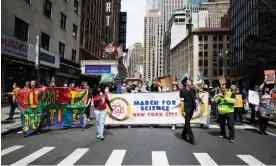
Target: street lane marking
{"x":10,"y":149}
{"x":236,"y":127}
{"x":116,"y":157}
{"x":74,"y":157}
{"x":159,"y":158}
{"x":34,"y":156}
{"x":204,"y":159}
{"x":250,"y":160}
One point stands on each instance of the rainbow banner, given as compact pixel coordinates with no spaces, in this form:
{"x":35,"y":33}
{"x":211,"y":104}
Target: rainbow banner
{"x":46,"y":107}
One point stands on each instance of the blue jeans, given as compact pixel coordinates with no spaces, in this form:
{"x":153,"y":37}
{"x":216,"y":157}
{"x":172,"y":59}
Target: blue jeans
{"x":100,"y":119}
{"x":13,"y":107}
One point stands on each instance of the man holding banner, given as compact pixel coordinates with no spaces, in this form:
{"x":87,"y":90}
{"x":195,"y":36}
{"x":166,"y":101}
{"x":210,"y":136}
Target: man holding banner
{"x":188,"y":103}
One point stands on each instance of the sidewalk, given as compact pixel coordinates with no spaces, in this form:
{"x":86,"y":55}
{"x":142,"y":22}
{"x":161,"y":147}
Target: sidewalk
{"x":8,"y":126}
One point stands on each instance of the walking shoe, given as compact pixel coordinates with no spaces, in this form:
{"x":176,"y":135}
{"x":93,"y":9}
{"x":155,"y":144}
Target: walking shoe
{"x":88,"y":120}
{"x":265,"y":133}
{"x":83,"y":128}
{"x":185,"y":138}
{"x":261,"y":132}
{"x":98,"y":136}
{"x":151,"y":126}
{"x":173,"y":127}
{"x":232,"y":140}
{"x":222,"y":136}
{"x":10,"y":118}
{"x":192,"y":141}
{"x":102,"y":137}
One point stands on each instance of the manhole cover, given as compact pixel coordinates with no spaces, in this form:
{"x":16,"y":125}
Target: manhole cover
{"x":7,"y":122}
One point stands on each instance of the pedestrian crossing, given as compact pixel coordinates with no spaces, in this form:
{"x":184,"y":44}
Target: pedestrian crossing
{"x":117,"y":157}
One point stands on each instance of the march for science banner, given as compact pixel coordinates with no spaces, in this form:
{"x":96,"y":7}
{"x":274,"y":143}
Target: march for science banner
{"x":153,"y":108}
{"x":43,"y":107}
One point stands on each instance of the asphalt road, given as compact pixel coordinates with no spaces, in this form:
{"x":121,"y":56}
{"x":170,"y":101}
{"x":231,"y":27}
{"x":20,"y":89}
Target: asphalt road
{"x":138,"y":146}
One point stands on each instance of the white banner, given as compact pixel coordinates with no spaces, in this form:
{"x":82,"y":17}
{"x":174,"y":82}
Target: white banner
{"x":253,"y":97}
{"x":153,"y":108}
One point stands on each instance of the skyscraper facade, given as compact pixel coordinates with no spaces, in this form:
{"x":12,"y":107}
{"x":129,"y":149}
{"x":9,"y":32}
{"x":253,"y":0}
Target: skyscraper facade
{"x":150,"y":34}
{"x":136,"y":59}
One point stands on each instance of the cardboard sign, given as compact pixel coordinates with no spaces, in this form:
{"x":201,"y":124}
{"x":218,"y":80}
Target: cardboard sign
{"x":269,"y":76}
{"x":222,"y":80}
{"x":167,"y":82}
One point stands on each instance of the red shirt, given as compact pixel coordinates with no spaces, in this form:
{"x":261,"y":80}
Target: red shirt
{"x":102,"y":105}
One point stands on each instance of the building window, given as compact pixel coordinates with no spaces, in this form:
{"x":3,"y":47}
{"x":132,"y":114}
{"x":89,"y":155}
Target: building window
{"x":74,"y":54}
{"x":228,"y":46}
{"x":215,"y":46}
{"x":21,"y":30}
{"x":76,"y":6}
{"x":45,"y":41}
{"x":215,"y":72}
{"x":200,"y":46}
{"x":220,"y":46}
{"x":220,"y":38}
{"x":47,"y":8}
{"x":62,"y":21}
{"x":228,"y":62}
{"x":220,"y":72}
{"x":75,"y":31}
{"x":200,"y":63}
{"x":61,"y":49}
{"x":215,"y":38}
{"x":205,"y":38}
{"x":205,"y":46}
{"x":205,"y":63}
{"x":228,"y":38}
{"x":205,"y":72}
{"x":200,"y":38}
{"x":205,"y":54}
{"x":200,"y":54}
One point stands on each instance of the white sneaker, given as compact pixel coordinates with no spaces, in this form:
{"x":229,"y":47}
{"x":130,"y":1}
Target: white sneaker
{"x":98,"y":136}
{"x":88,"y":120}
{"x":173,"y":127}
{"x":102,"y":137}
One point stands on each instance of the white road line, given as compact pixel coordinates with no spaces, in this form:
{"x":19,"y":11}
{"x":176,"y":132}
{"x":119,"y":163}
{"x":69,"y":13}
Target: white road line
{"x":116,"y":157}
{"x":27,"y":160}
{"x":159,"y":158}
{"x":10,"y":149}
{"x":236,"y":127}
{"x":250,"y":160}
{"x":204,"y":159}
{"x":252,"y":127}
{"x":74,"y":157}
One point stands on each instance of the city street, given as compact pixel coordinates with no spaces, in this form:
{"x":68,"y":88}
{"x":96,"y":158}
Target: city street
{"x":139,"y":146}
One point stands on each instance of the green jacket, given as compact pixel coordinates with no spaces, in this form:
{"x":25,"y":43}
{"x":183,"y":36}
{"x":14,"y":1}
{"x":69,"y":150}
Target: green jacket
{"x":226,"y":104}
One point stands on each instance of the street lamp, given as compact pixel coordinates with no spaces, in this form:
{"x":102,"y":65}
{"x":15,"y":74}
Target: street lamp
{"x":221,"y":56}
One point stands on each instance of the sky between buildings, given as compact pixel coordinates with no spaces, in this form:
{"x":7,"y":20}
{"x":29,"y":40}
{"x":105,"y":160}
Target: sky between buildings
{"x":136,"y":11}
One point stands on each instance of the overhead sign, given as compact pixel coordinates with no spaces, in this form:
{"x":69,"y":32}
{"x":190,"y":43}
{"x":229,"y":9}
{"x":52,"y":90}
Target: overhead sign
{"x":14,"y":47}
{"x":97,"y":69}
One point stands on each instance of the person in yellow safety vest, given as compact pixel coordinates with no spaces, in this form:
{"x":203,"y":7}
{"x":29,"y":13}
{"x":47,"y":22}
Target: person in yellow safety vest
{"x":226,"y":101}
{"x":239,"y":109}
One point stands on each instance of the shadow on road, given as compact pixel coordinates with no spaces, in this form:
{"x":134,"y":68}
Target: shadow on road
{"x":253,"y":130}
{"x":178,"y":135}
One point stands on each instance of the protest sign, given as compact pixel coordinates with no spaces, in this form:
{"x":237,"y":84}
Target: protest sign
{"x":167,"y":82}
{"x":253,"y":97}
{"x":269,"y":76}
{"x":153,"y":108}
{"x":222,"y":80}
{"x":43,"y":107}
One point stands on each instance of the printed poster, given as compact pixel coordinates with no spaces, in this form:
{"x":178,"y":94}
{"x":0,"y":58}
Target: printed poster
{"x":153,"y":108}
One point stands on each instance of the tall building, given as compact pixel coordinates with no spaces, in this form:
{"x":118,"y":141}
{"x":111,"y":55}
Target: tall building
{"x":123,"y":30}
{"x":153,"y":5}
{"x":92,"y":32}
{"x":99,"y":24}
{"x":166,"y":8}
{"x":57,"y":23}
{"x":136,"y":59}
{"x":217,"y":9}
{"x":150,"y":33}
{"x":196,"y":1}
{"x":252,"y":29}
{"x":204,"y":51}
